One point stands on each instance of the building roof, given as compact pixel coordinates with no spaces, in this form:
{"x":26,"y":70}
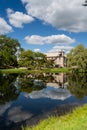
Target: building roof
{"x":52,"y":54}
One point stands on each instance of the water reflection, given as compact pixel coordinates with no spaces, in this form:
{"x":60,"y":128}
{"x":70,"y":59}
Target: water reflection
{"x":54,"y":86}
{"x":28,"y":83}
{"x":29,"y":97}
{"x":59,"y":80}
{"x":8,"y":91}
{"x":77,"y":85}
{"x":54,"y":89}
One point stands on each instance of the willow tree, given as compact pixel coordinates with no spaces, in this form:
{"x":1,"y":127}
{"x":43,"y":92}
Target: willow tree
{"x":78,"y":57}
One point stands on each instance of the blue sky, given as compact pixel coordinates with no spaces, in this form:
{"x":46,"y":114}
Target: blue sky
{"x":45,"y":25}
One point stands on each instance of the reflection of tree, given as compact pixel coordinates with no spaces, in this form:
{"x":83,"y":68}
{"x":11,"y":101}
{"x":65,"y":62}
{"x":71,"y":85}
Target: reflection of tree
{"x":29,"y":83}
{"x":77,"y":84}
{"x":7,"y":88}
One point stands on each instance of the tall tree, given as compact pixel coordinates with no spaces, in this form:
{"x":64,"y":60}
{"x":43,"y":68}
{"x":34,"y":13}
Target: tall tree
{"x":8,"y":51}
{"x":78,"y":57}
{"x":40,"y":60}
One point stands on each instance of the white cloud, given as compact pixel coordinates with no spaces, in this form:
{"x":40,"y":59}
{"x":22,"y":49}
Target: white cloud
{"x":37,"y":50}
{"x":17,"y":19}
{"x":59,"y":39}
{"x":63,"y":14}
{"x":4,"y":27}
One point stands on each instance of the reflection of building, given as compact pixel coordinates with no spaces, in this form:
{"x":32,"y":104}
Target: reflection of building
{"x":55,"y":89}
{"x":59,"y":80}
{"x":58,"y":58}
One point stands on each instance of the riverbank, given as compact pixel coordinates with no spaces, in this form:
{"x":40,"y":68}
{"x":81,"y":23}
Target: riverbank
{"x":48,"y":70}
{"x":77,"y":120}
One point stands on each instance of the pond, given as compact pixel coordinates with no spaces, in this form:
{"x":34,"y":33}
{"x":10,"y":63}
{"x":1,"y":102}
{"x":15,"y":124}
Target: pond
{"x":26,"y":99}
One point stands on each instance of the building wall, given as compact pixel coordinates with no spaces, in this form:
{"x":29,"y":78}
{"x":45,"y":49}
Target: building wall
{"x":59,"y":59}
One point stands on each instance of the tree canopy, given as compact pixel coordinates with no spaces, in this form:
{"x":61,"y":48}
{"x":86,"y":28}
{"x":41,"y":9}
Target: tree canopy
{"x":8,"y":51}
{"x":26,"y":58}
{"x":78,"y":57}
{"x":12,"y":55}
{"x":33,"y":60}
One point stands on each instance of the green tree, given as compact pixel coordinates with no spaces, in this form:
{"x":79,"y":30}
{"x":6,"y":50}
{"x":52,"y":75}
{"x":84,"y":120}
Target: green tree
{"x":78,"y":57}
{"x":33,"y":60}
{"x":26,"y":59}
{"x":49,"y":63}
{"x":40,"y":60}
{"x":9,"y":49}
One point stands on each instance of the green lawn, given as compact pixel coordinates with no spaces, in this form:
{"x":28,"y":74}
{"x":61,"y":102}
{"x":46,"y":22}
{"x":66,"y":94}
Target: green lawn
{"x":55,"y":70}
{"x":10,"y":71}
{"x":77,"y":120}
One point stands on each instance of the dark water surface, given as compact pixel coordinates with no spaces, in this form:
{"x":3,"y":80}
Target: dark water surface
{"x":26,"y":99}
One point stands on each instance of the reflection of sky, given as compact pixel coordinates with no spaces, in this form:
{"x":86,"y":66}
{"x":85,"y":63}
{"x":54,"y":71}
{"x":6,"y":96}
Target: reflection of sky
{"x":50,"y":92}
{"x":13,"y":114}
{"x":30,"y":105}
{"x":16,"y":114}
{"x":4,"y":107}
{"x":26,"y":108}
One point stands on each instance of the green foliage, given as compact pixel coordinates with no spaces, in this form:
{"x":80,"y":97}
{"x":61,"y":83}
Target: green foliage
{"x":8,"y":52}
{"x":74,"y":121}
{"x":26,"y":59}
{"x":30,"y":59}
{"x":50,"y":63}
{"x":78,"y":57}
{"x":40,"y":60}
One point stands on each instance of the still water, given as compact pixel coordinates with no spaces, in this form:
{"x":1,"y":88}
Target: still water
{"x":26,"y":99}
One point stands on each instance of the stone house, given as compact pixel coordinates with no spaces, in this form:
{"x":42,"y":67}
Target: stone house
{"x":59,"y":58}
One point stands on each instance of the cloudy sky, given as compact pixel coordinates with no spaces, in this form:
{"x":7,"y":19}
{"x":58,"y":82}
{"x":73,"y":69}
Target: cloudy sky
{"x":45,"y":25}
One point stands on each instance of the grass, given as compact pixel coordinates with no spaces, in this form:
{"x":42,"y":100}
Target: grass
{"x":54,"y":70}
{"x":18,"y":71}
{"x":13,"y":71}
{"x":77,"y":120}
